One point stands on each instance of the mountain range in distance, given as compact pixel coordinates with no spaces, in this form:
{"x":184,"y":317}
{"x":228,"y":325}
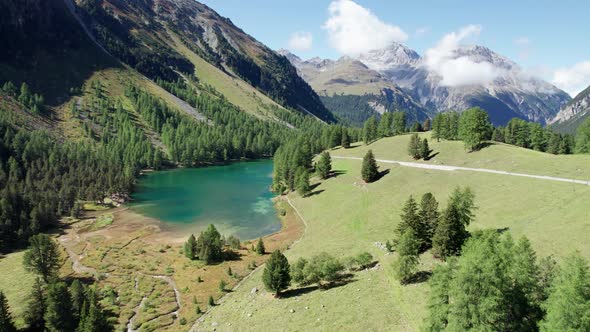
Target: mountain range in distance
{"x":398,"y":78}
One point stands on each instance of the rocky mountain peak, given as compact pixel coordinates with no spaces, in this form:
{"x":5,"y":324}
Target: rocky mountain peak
{"x":395,"y":54}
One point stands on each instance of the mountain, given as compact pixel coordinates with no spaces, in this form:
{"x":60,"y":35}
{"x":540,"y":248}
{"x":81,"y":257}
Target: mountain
{"x":571,"y":116}
{"x":513,"y":93}
{"x":347,"y":85}
{"x":160,"y":39}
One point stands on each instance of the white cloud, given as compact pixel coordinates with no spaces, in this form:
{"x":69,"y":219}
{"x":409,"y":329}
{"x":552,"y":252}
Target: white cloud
{"x":522,"y":41}
{"x":573,"y":79}
{"x":353,"y":29}
{"x":300,"y":41}
{"x":459,"y":71}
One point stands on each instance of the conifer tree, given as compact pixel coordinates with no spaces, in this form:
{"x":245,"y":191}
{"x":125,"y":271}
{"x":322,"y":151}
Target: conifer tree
{"x":426,"y":125}
{"x":324,"y":166}
{"x":6,"y":323}
{"x":568,"y":305}
{"x":190,"y":247}
{"x":93,"y":318}
{"x":276,"y":276}
{"x":439,"y":299}
{"x":78,"y":297}
{"x":384,"y":128}
{"x":58,"y":314}
{"x":410,"y":219}
{"x":408,"y":250}
{"x":399,"y":123}
{"x":370,"y":130}
{"x":345,"y":142}
{"x":424,"y":150}
{"x":414,"y":146}
{"x":583,"y":137}
{"x":42,"y":256}
{"x":302,"y":182}
{"x":474,"y":128}
{"x":209,"y":245}
{"x":369,"y":169}
{"x":260,"y":248}
{"x":36,"y":307}
{"x":429,"y":216}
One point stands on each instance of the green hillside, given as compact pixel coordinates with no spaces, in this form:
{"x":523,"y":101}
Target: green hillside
{"x":346,"y":217}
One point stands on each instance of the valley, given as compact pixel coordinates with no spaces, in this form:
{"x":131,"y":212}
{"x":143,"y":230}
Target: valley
{"x":162,"y":169}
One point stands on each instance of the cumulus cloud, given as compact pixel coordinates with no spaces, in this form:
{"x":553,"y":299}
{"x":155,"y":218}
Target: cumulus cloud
{"x":300,"y":41}
{"x":573,"y":79}
{"x":459,"y":71}
{"x":353,"y":29}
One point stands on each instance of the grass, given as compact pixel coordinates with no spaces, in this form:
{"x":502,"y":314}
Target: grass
{"x":103,"y":221}
{"x":498,"y":156}
{"x":348,"y":217}
{"x":16,"y":283}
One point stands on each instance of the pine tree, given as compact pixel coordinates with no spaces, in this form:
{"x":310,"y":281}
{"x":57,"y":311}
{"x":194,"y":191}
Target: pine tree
{"x":568,"y":305}
{"x":93,"y":318}
{"x":345,"y":142}
{"x":302,"y":182}
{"x":451,"y":232}
{"x":190,"y":247}
{"x":426,"y":125}
{"x":414,"y":146}
{"x":411,"y":220}
{"x":429,"y":216}
{"x":384,"y":128}
{"x":399,"y":123}
{"x":276,"y":276}
{"x":36,"y":307}
{"x":58,"y":314}
{"x":42,"y":256}
{"x":370,"y":130}
{"x":369,"y":169}
{"x":78,"y":297}
{"x":6,"y":323}
{"x":424,"y":150}
{"x":324,"y":166}
{"x":408,"y":249}
{"x":260,"y":249}
{"x":583,"y":137}
{"x":211,"y":301}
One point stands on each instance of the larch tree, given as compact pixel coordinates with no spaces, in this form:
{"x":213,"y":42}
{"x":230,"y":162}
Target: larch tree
{"x":345,"y":142}
{"x":6,"y":323}
{"x":276,"y":276}
{"x":429,"y":216}
{"x":568,"y":305}
{"x":583,"y":137}
{"x":424,"y":150}
{"x":474,"y":128}
{"x":414,"y":146}
{"x":370,"y":130}
{"x":324,"y":165}
{"x":408,"y":249}
{"x":36,"y":307}
{"x":302,"y":182}
{"x":58,"y":314}
{"x":42,"y":256}
{"x":369,"y":170}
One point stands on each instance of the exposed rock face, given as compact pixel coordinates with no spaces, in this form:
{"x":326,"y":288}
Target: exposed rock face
{"x":573,"y":113}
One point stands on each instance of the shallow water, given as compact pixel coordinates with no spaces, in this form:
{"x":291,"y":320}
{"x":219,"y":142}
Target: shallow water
{"x":235,"y":198}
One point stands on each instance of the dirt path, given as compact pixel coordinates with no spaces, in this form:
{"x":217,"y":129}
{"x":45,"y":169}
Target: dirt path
{"x":77,"y":266}
{"x":469,"y":169}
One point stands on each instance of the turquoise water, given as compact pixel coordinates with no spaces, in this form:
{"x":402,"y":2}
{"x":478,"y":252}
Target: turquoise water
{"x":235,"y":198}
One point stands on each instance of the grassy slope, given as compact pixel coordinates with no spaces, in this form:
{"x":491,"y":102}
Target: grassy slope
{"x":346,"y":218}
{"x":498,"y":156}
{"x":236,"y":90}
{"x":16,"y":284}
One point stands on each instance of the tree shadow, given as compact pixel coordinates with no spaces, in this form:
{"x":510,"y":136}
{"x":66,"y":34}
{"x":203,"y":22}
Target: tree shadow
{"x":430,"y":155}
{"x":482,"y":146}
{"x":316,"y":192}
{"x":344,"y":280}
{"x":382,"y":174}
{"x":419,"y":277}
{"x":502,"y":230}
{"x":337,"y":173}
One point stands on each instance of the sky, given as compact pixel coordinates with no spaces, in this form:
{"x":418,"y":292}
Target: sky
{"x":547,"y":38}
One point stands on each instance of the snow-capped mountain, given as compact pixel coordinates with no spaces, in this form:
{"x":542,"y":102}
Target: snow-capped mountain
{"x":512,"y":93}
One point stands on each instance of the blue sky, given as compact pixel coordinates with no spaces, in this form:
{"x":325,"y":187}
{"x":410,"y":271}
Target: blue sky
{"x":548,"y":38}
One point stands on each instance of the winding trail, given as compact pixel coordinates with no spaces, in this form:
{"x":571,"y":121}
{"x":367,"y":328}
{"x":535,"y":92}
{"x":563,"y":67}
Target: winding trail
{"x":469,"y":169}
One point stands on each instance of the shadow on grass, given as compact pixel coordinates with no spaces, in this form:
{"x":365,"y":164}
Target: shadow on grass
{"x":382,"y":174}
{"x":313,"y":193}
{"x":482,"y":146}
{"x":337,"y":173}
{"x":344,"y":280}
{"x":419,"y":277}
{"x":430,"y":155}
